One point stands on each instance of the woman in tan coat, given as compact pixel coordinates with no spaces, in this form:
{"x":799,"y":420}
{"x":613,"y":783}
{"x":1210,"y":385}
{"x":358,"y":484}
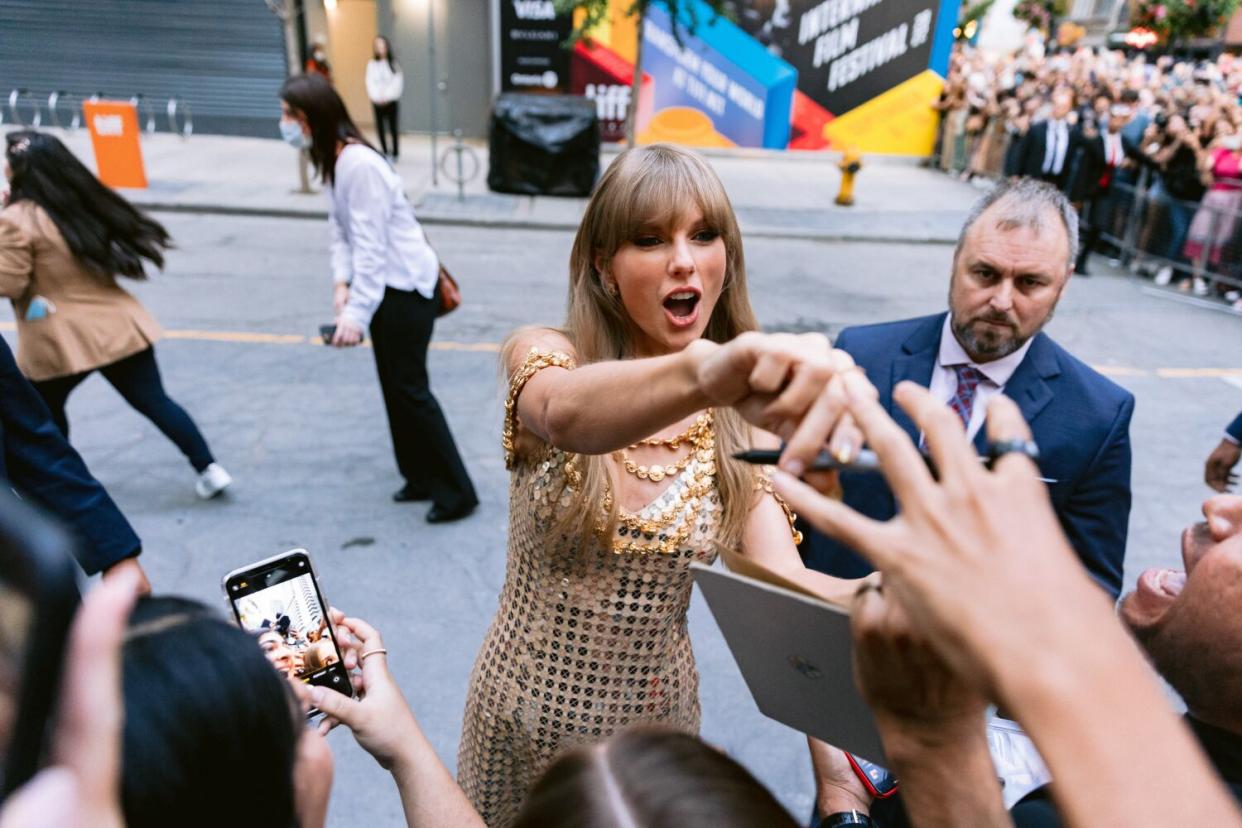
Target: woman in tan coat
{"x":64,"y":237}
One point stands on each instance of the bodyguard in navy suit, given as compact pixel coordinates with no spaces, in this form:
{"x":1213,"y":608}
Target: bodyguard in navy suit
{"x":1079,"y":419}
{"x":41,"y":465}
{"x":1219,"y":473}
{"x":1012,"y":264}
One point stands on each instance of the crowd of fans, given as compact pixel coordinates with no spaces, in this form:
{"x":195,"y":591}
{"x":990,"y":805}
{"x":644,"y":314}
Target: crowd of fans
{"x":1171,"y":203}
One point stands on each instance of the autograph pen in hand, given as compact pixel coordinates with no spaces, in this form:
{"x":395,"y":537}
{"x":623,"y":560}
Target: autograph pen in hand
{"x":865,"y":460}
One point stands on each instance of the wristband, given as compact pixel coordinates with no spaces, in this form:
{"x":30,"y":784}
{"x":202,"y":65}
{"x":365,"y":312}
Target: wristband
{"x":843,"y":818}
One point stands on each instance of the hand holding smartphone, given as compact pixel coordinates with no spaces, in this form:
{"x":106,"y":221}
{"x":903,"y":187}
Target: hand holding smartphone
{"x":278,"y":601}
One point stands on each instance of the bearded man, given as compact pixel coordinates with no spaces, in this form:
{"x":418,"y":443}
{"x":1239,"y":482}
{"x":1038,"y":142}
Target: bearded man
{"x":1013,"y":261}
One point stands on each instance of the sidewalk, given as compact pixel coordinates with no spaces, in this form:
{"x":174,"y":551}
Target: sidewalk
{"x":781,"y":195}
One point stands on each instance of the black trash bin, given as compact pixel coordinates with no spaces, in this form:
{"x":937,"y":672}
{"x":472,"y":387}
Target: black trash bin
{"x":543,"y":145}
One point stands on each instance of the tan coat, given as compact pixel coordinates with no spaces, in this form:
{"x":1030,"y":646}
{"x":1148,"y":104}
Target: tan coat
{"x":95,"y":322}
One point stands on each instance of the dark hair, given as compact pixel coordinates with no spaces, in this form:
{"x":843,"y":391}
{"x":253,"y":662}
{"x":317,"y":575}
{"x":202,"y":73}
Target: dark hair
{"x":392,"y":61}
{"x":311,"y":95}
{"x":650,"y":778}
{"x":211,"y":730}
{"x":106,"y":233}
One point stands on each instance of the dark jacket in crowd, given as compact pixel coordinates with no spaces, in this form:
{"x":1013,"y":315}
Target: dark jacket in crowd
{"x":1235,"y":429}
{"x":41,"y":466}
{"x":1029,"y":160}
{"x":1090,"y":176}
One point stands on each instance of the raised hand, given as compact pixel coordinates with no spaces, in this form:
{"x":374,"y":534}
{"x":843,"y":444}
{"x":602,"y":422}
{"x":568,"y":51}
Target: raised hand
{"x":789,"y":385}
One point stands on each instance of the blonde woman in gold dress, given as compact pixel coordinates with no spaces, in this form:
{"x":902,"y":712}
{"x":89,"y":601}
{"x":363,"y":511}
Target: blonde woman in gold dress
{"x":619,"y":434}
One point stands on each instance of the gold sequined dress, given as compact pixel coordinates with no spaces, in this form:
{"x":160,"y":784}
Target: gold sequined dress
{"x":586,"y":642}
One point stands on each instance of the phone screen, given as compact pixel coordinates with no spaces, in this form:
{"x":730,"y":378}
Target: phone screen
{"x":15,"y":617}
{"x":280,"y":604}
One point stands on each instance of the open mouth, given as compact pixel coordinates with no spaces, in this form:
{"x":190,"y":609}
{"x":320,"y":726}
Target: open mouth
{"x":682,"y":307}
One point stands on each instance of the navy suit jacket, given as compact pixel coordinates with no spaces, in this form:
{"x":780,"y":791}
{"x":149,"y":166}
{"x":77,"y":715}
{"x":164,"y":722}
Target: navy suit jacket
{"x":1080,"y":420}
{"x":1235,"y":429}
{"x":41,"y":465}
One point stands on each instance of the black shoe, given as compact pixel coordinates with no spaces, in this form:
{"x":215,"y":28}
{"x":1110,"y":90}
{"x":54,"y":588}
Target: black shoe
{"x":409,"y":494}
{"x":438,"y":515}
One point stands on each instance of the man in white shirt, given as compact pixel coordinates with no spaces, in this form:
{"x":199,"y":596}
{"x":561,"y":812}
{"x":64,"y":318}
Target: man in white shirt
{"x":1011,"y":267}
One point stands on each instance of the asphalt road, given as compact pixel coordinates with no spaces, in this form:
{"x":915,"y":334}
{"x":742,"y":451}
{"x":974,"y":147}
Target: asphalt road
{"x":302,"y":429}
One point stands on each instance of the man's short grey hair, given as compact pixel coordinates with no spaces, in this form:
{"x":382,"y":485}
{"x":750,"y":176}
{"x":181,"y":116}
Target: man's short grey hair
{"x":1025,"y":202}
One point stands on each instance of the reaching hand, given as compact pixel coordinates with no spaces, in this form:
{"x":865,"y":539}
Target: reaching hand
{"x":971,"y":558}
{"x":913,"y":693}
{"x":83,"y":786}
{"x":1219,"y":473}
{"x":381,"y":720}
{"x":789,"y":385}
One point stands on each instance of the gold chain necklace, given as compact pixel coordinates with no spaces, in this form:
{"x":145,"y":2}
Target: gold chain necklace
{"x":694,"y":435}
{"x":657,"y":535}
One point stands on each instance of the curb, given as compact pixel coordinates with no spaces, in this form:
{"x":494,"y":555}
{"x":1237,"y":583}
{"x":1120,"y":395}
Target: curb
{"x":432,"y":219}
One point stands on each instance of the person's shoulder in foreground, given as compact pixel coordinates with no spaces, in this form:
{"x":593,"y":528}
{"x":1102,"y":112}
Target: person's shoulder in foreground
{"x":863,"y":339}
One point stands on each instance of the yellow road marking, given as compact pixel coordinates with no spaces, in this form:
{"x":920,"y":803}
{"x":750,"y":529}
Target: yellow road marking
{"x":1120,"y":371}
{"x":1196,"y":373}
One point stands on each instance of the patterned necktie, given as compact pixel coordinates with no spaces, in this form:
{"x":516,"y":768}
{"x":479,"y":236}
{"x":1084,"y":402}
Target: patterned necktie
{"x":963,"y":399}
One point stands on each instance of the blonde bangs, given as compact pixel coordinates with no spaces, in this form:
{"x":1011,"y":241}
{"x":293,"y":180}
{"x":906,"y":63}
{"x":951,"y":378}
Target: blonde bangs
{"x":656,"y":186}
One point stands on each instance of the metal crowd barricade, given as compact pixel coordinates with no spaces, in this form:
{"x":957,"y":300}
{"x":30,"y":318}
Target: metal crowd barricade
{"x":1149,"y":229}
{"x":180,"y":120}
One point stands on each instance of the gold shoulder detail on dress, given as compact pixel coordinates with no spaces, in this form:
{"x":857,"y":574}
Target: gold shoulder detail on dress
{"x":535,"y":362}
{"x":764,"y":483}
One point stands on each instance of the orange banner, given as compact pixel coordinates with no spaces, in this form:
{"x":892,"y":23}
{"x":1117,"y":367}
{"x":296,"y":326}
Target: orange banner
{"x":114,"y":136}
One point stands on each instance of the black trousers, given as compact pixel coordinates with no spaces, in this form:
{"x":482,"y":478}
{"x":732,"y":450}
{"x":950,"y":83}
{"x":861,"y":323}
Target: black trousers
{"x":137,"y":379}
{"x":426,"y":454}
{"x":386,"y":117}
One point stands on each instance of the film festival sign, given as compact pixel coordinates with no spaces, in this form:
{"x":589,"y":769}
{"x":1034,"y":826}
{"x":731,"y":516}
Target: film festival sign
{"x":781,"y":74}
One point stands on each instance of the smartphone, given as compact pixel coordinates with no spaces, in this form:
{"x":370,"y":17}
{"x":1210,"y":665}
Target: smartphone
{"x":38,"y":598}
{"x":877,"y":780}
{"x":278,"y":601}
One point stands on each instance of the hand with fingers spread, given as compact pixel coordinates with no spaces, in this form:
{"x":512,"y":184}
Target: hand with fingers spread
{"x":979,"y":565}
{"x":985,"y":535}
{"x":789,"y":385}
{"x":83,"y":786}
{"x":385,"y":727}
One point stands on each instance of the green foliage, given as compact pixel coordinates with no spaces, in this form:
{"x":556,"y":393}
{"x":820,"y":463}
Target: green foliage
{"x":974,"y":11}
{"x":595,"y":12}
{"x":1179,"y":20}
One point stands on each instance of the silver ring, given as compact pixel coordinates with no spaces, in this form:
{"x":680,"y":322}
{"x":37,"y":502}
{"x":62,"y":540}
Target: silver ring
{"x":1002,"y":447}
{"x":376,"y":651}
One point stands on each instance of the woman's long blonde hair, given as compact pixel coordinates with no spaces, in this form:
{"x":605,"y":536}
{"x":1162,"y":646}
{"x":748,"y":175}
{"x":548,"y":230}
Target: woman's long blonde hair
{"x":645,"y":186}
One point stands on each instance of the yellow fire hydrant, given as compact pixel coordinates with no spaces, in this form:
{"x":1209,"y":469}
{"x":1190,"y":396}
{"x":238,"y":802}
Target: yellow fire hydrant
{"x":850,"y":164}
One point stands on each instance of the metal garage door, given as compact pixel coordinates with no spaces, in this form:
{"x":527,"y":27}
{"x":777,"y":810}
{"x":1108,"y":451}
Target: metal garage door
{"x":225,"y":58}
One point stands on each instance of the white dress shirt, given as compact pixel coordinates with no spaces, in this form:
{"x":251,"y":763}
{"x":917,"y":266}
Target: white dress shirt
{"x":1056,"y":144}
{"x":995,"y":375}
{"x":1114,"y":150}
{"x":384,"y":84}
{"x":376,"y":242}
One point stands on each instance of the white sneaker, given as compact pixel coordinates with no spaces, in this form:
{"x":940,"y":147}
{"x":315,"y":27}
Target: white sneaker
{"x":1200,"y":287}
{"x":1163,"y":276}
{"x":213,"y":480}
